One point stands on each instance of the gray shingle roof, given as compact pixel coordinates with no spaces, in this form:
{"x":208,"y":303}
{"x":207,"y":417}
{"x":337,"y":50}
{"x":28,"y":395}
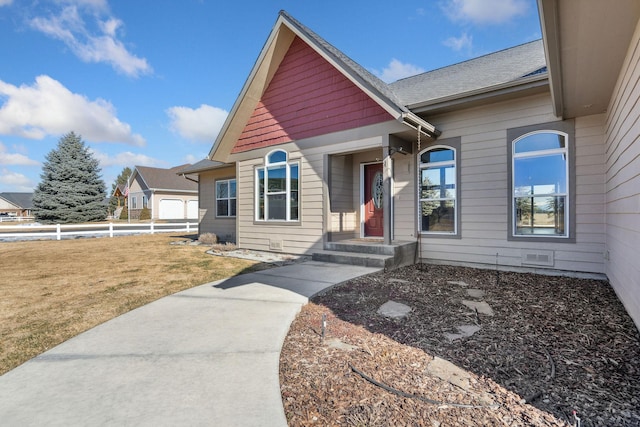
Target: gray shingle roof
{"x":497,"y":68}
{"x":505,"y":66}
{"x":23,"y":200}
{"x":166,"y":179}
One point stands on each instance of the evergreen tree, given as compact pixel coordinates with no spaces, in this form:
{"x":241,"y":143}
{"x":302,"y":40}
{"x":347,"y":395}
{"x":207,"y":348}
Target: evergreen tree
{"x":122,"y":179}
{"x":71,"y":189}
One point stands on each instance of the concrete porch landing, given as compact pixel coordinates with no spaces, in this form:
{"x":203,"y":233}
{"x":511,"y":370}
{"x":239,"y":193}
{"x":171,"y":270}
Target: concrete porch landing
{"x":368,"y":253}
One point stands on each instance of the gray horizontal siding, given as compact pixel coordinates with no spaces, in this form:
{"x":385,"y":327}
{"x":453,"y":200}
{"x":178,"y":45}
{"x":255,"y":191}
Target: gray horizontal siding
{"x":485,"y":199}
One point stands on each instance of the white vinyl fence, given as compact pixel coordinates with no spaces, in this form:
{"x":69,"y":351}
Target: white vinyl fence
{"x":9,"y":218}
{"x":60,"y":231}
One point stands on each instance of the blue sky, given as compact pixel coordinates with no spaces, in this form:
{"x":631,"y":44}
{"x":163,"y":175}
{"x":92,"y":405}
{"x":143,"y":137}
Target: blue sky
{"x":150,"y":82}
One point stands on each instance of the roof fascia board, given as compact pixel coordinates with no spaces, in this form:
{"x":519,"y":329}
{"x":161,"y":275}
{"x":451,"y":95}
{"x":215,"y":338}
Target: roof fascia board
{"x":206,"y":169}
{"x":11,"y":203}
{"x":173,"y":190}
{"x":550,"y":25}
{"x":137,"y":172}
{"x":525,"y":84}
{"x":261,"y":74}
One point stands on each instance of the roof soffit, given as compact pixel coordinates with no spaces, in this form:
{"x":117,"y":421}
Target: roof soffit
{"x":586,"y":42}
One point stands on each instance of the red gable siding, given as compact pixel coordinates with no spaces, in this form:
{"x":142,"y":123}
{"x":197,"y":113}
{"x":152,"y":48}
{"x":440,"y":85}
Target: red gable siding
{"x":307,"y":97}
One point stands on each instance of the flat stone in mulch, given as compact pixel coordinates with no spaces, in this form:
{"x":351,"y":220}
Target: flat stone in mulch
{"x":457,"y":282}
{"x":394,"y":310}
{"x":475,"y":293}
{"x":464,"y":331}
{"x":480,"y":306}
{"x":449,"y":372}
{"x":337,"y":343}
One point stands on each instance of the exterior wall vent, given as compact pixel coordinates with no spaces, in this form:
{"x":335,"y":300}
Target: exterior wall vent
{"x":543,"y":258}
{"x":275,"y":245}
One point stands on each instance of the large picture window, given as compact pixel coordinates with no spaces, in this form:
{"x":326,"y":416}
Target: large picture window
{"x":540,"y":183}
{"x":438,"y":192}
{"x":226,"y":198}
{"x":277,"y":188}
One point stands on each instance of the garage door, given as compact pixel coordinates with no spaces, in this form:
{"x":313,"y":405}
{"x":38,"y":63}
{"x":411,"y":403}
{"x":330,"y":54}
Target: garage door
{"x":192,"y":209}
{"x":171,"y":209}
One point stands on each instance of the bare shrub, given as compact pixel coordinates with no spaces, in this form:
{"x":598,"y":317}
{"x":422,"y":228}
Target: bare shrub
{"x":208,"y":238}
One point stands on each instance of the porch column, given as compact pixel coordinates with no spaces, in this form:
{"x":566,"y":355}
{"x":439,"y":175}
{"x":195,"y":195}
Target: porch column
{"x":386,"y":187}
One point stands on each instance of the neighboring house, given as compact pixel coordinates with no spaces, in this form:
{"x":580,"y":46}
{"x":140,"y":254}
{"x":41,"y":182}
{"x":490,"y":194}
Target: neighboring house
{"x":16,"y":204}
{"x":163,"y":192}
{"x":527,"y":159}
{"x":121,"y":193}
{"x":217,"y":197}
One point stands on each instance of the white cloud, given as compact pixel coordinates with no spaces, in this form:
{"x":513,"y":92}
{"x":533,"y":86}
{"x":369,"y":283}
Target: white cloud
{"x":190,"y":158}
{"x":17,"y":159}
{"x":14,"y":181}
{"x":92,"y":4}
{"x":49,"y":108}
{"x":464,"y":42}
{"x":200,"y":124}
{"x":126,"y":158}
{"x":485,"y":11}
{"x":397,"y":70}
{"x":5,"y":2}
{"x":103,"y":46}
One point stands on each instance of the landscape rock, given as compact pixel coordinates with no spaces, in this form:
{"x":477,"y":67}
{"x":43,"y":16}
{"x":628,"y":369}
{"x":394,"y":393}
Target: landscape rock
{"x":449,"y":372}
{"x":464,"y":332}
{"x":394,"y":310}
{"x":481,"y":306}
{"x":336,"y":343}
{"x":475,"y":293}
{"x":459,"y":283}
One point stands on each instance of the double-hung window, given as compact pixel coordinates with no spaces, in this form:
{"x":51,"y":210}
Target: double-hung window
{"x":226,"y":198}
{"x":438,"y":191}
{"x":540,"y":199}
{"x":277,"y":188}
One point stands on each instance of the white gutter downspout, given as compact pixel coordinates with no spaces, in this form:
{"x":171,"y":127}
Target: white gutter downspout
{"x":422,"y":126}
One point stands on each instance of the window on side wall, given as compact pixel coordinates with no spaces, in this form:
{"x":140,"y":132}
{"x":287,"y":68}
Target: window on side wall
{"x":541,"y":183}
{"x":226,"y":198}
{"x":277,"y":188}
{"x":438,"y":191}
{"x":134,"y":203}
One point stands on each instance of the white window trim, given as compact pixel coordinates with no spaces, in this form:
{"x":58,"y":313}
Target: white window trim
{"x":228,"y":198}
{"x":566,"y":194}
{"x":455,"y":199}
{"x":267,"y":165}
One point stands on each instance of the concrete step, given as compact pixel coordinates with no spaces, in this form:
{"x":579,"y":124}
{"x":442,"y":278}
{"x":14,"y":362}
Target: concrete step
{"x":363,"y":248}
{"x":354,"y":258}
{"x":368,"y":254}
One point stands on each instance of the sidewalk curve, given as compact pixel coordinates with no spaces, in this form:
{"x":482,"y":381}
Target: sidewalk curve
{"x":205,"y":356}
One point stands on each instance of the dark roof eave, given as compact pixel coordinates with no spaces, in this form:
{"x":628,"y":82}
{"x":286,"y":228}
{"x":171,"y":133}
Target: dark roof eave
{"x":203,"y":166}
{"x":534,"y":84}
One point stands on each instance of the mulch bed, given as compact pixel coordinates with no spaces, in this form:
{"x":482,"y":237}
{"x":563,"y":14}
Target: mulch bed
{"x":554,"y":345}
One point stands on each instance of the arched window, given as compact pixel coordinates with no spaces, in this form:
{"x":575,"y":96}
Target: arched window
{"x":540,"y":177}
{"x":277,"y":188}
{"x":438,"y":192}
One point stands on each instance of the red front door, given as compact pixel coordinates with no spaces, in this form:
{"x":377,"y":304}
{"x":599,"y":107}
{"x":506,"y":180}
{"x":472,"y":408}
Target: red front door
{"x":373,"y":195}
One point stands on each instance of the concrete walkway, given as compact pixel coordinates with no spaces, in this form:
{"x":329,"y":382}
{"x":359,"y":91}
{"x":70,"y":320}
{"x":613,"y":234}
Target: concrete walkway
{"x":205,"y":356}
